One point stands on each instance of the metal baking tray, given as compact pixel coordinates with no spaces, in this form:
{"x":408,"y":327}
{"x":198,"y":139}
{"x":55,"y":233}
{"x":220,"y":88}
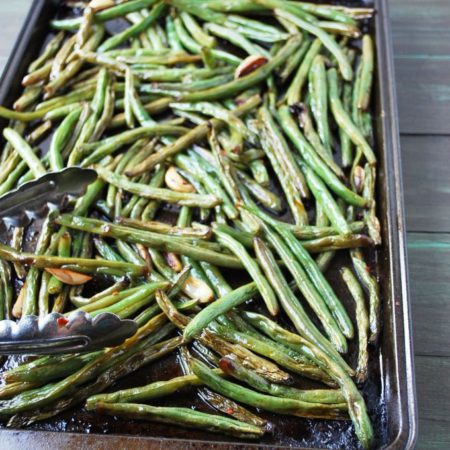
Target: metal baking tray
{"x":390,"y":390}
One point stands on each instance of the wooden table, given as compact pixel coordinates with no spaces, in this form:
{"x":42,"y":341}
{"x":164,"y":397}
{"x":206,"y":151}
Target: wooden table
{"x":421,"y":35}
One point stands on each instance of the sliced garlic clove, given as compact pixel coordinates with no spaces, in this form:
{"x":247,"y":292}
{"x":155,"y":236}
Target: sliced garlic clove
{"x":198,"y":289}
{"x":249,"y":64}
{"x":69,"y":276}
{"x":358,"y":178}
{"x":176,"y":182}
{"x":173,"y":261}
{"x":98,"y":5}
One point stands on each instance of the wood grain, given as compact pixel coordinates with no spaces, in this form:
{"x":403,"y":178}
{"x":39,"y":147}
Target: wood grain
{"x":429,"y":274}
{"x":421,"y":35}
{"x":425,"y":162}
{"x":433,"y":387}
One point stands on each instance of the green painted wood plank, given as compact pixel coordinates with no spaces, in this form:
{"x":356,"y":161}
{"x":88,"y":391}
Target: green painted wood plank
{"x":429,"y":276}
{"x":420,"y":36}
{"x":433,"y":388}
{"x":426,"y":179}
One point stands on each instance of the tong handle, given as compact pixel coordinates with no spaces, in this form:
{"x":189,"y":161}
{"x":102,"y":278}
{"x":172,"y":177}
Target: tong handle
{"x":67,"y":344}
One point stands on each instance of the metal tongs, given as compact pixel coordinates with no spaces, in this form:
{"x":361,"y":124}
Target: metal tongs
{"x":55,"y":333}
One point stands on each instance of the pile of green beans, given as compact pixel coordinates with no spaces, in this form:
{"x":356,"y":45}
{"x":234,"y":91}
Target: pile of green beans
{"x":221,"y":141}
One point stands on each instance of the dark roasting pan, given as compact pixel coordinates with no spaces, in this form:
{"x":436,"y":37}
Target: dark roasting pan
{"x":390,"y":390}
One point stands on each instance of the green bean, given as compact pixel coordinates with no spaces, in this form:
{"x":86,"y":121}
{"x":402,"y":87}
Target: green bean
{"x":356,"y":405}
{"x":196,"y":31}
{"x":223,"y":167}
{"x":313,"y":138}
{"x":362,"y":321}
{"x":294,"y":92}
{"x":9,"y":163}
{"x":25,"y":151}
{"x":2,"y":301}
{"x":346,"y":143}
{"x":60,"y":138}
{"x":246,"y":82}
{"x":316,"y":276}
{"x":288,"y":300}
{"x":85,"y":28}
{"x":29,"y":97}
{"x":289,"y":12}
{"x":219,"y":307}
{"x":113,"y":289}
{"x":73,"y":67}
{"x":324,"y":197}
{"x":135,"y":29}
{"x":251,"y":24}
{"x":149,"y":392}
{"x":132,"y":360}
{"x":41,"y":261}
{"x":49,"y":51}
{"x":344,"y":121}
{"x":262,"y":195}
{"x":235,"y":38}
{"x":367,"y":62}
{"x":324,"y":260}
{"x":231,"y":366}
{"x":31,"y":284}
{"x":371,"y":284}
{"x":199,"y":170}
{"x":252,"y":268}
{"x":24,"y":116}
{"x":181,"y":198}
{"x":107,"y":113}
{"x":166,"y":243}
{"x":106,"y":147}
{"x":129,"y":82}
{"x":105,"y":15}
{"x":54,"y":285}
{"x":314,"y":161}
{"x":198,"y":115}
{"x":38,"y":134}
{"x":192,"y":46}
{"x":173,"y":88}
{"x":319,"y":99}
{"x":12,"y":389}
{"x":51,"y":370}
{"x":43,"y":396}
{"x":78,"y":95}
{"x":370,"y":218}
{"x":189,"y":138}
{"x":196,"y":232}
{"x":16,"y":243}
{"x":283,"y":356}
{"x":181,"y":416}
{"x":128,"y":253}
{"x":343,"y":29}
{"x":262,"y":366}
{"x":337,"y":243}
{"x":12,"y":178}
{"x":293,"y":63}
{"x":38,"y":75}
{"x":327,"y":11}
{"x":177,"y":74}
{"x":273,"y":143}
{"x":263,"y":401}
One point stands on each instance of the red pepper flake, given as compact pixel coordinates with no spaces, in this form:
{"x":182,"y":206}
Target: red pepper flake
{"x":61,"y":321}
{"x":230,"y":411}
{"x":368,"y":268}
